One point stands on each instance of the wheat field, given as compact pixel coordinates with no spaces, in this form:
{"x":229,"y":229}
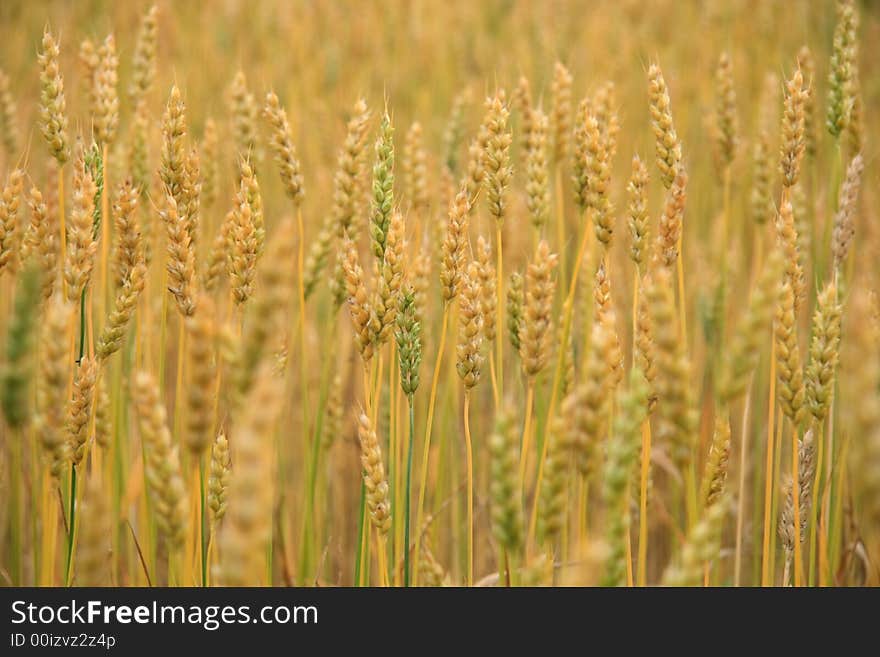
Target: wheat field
{"x":496,"y":293}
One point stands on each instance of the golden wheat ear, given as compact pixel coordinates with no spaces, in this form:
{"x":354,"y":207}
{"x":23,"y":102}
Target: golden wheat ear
{"x":378,"y":501}
{"x":53,"y":117}
{"x":535,"y":333}
{"x":8,"y":116}
{"x":162,"y":462}
{"x":666,"y":143}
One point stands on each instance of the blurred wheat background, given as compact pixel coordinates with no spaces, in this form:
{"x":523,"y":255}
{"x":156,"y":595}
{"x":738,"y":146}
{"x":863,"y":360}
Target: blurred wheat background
{"x":478,"y":331}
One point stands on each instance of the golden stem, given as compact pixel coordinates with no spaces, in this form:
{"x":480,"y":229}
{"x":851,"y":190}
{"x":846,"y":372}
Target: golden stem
{"x":527,"y":433}
{"x":768,"y":469}
{"x":469,"y":452}
{"x":641,"y":572}
{"x":796,"y":503}
{"x":499,"y":317}
{"x":426,"y":449}
{"x":740,"y":506}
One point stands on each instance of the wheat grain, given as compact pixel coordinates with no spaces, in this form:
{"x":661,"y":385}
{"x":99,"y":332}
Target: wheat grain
{"x":807,"y":65}
{"x":274,"y":291}
{"x":487,"y":276}
{"x":623,"y":449}
{"x":671,"y":220}
{"x":677,"y":421}
{"x":144,"y":59}
{"x":606,"y":315}
{"x":844,"y":218}
{"x":106,"y":97}
{"x":375,"y":481}
{"x":806,"y":471}
{"x":218,"y":477}
{"x":244,"y":245}
{"x":701,"y":547}
{"x":824,"y":352}
{"x":469,"y":350}
{"x":537,"y":169}
{"x":496,"y":156}
{"x":841,"y":76}
{"x":793,"y":139}
{"x":210,"y":164}
{"x":504,"y":486}
{"x":415,"y":170}
{"x":244,"y":119}
{"x":452,"y":134}
{"x":715,"y":471}
{"x":162,"y":465}
{"x":247,"y":530}
{"x":94,"y":546}
{"x":201,"y":332}
{"x":384,"y":307}
{"x":8,"y":116}
{"x":181,"y":259}
{"x":534,"y":333}
{"x":52,"y":385}
{"x":452,"y":262}
{"x":560,"y":113}
{"x":173,"y":166}
{"x":42,"y":238}
{"x":81,"y":242}
{"x":10,"y":228}
{"x":637,"y":213}
{"x":791,"y":392}
{"x":79,"y":409}
{"x":282,"y":145}
{"x":585,"y":409}
{"x":787,"y":237}
{"x":53,"y":120}
{"x":726,"y":125}
{"x":667,"y":145}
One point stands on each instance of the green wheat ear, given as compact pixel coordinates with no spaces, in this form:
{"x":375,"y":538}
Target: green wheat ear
{"x":623,"y":448}
{"x":409,"y":342}
{"x":383,"y":188}
{"x":843,"y":65}
{"x":95,"y":167}
{"x":17,"y":373}
{"x":507,"y":521}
